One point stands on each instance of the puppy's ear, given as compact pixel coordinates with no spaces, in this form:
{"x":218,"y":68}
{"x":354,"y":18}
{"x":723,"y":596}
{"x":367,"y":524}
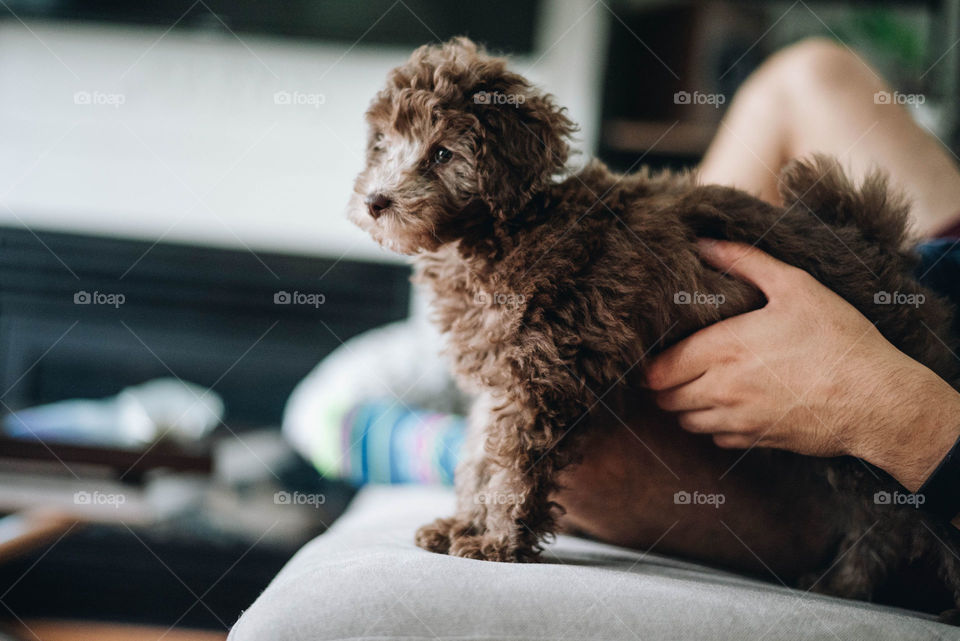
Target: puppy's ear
{"x":523,"y":141}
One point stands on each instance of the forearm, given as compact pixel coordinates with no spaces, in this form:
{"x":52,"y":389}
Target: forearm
{"x":918,"y":421}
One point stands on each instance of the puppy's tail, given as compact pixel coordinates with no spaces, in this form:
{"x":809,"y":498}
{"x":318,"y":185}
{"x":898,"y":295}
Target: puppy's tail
{"x":819,"y":184}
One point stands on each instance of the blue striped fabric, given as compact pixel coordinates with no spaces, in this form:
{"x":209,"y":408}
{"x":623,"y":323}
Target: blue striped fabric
{"x":386,"y":442}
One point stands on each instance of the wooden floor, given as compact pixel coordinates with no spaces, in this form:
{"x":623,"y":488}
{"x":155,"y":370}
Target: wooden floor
{"x":87,"y":631}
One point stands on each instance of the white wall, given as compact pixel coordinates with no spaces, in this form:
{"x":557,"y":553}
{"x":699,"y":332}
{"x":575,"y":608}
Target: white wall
{"x":199,"y":151}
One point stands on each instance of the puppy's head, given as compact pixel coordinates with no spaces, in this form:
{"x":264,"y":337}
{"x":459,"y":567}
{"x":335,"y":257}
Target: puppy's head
{"x":456,"y":143}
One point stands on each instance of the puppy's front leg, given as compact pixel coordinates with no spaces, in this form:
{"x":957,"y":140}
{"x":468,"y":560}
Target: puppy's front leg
{"x":472,"y":476}
{"x":503,"y":487}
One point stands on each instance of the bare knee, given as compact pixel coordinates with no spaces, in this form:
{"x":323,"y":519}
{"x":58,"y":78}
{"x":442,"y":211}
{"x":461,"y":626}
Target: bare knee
{"x":818,"y":68}
{"x":818,"y":55}
{"x":805,"y":73}
{"x":796,"y":98}
{"x":812,"y":88}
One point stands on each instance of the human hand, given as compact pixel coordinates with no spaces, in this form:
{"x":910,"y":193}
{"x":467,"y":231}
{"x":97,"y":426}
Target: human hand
{"x":807,"y":373}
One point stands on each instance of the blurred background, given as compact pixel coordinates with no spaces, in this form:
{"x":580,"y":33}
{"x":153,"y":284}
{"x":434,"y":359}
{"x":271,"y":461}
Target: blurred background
{"x":175,"y":258}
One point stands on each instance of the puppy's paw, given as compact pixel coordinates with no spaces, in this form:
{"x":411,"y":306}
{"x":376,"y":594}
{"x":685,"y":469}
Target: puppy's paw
{"x":436,"y":536}
{"x":487,"y":547}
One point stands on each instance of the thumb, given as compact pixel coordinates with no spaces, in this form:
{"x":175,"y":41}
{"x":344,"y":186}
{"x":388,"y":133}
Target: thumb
{"x":748,"y":263}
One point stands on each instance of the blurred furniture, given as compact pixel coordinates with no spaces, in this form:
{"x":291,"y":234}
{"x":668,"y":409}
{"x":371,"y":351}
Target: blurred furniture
{"x":215,"y":317}
{"x":83,"y":631}
{"x":24,"y":531}
{"x":180,"y":551}
{"x":239,"y":322}
{"x":504,"y":24}
{"x":125,"y":463}
{"x":658,"y":50}
{"x":138,"y":576}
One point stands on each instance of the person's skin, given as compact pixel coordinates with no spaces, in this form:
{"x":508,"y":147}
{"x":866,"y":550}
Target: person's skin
{"x":806,"y":373}
{"x":817,"y":96}
{"x":811,"y":97}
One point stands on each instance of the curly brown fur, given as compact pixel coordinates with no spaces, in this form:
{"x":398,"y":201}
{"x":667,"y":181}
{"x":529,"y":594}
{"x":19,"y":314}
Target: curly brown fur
{"x":553,"y":292}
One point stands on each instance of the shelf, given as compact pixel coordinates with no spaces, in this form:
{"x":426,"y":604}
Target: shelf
{"x":664,"y":137}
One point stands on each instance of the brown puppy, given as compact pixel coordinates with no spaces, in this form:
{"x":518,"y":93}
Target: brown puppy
{"x":554,"y":290}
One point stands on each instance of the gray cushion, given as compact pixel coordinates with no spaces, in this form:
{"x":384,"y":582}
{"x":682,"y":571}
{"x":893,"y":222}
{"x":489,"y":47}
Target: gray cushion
{"x":364,"y":579}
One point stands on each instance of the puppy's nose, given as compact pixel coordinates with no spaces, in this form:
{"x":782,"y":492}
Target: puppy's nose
{"x":377,"y":203}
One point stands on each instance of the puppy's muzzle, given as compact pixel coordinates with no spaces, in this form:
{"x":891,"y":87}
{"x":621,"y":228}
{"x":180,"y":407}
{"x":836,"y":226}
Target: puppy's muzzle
{"x":377,"y":204}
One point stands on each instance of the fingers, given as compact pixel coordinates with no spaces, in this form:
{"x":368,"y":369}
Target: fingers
{"x":733,"y":441}
{"x":686,"y":398}
{"x":720,"y":425}
{"x":705,"y":421}
{"x":687,"y":360}
{"x":748,"y":263}
{"x":711,"y":421}
{"x":718,"y":421}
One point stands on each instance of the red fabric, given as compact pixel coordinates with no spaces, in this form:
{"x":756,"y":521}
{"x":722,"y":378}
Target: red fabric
{"x":952,"y":230}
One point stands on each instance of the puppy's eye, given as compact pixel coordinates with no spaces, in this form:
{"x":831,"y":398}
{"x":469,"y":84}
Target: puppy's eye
{"x":442,"y":156}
